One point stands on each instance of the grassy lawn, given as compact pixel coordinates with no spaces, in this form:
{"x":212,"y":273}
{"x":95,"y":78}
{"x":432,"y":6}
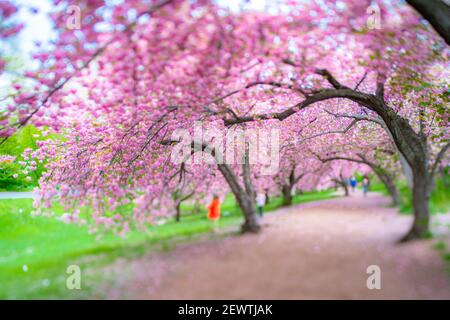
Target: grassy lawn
{"x":36,"y":251}
{"x":439,"y":200}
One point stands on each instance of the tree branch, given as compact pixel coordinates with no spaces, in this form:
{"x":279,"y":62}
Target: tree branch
{"x":437,"y":13}
{"x":360,"y":81}
{"x":323,"y":72}
{"x":380,"y":90}
{"x":277,"y":85}
{"x":346,"y":129}
{"x":329,"y":77}
{"x":357,"y":117}
{"x":438,"y":159}
{"x":363,"y":99}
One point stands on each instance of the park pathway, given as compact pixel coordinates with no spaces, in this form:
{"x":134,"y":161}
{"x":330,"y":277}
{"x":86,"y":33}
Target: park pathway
{"x":16,"y":195}
{"x":318,"y":250}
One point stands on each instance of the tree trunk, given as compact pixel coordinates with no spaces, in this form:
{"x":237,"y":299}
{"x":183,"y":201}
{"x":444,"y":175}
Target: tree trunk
{"x":393,"y":192}
{"x":251,"y":222}
{"x":286,"y":192}
{"x":341,"y":183}
{"x":407,"y":171}
{"x":420,"y":198}
{"x":178,"y":212}
{"x":243,"y":196}
{"x":289,"y":185}
{"x":388,"y":182}
{"x":345,"y":186}
{"x":245,"y":202}
{"x":413,"y":146}
{"x":267,"y":198}
{"x":406,"y":168}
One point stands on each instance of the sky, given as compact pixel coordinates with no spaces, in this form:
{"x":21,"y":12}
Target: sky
{"x":37,"y":26}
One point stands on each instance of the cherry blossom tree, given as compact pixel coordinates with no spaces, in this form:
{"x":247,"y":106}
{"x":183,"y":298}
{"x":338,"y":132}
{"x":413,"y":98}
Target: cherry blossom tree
{"x":299,"y":167}
{"x":403,"y":92}
{"x":121,"y":78}
{"x":363,"y":142}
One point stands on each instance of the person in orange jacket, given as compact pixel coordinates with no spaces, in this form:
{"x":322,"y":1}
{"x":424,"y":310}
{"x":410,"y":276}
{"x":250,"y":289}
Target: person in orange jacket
{"x":214,"y":211}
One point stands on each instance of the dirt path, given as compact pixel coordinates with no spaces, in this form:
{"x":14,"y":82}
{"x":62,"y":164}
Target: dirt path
{"x":317,"y":250}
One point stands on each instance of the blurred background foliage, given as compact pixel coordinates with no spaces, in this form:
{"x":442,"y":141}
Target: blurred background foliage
{"x":13,"y":175}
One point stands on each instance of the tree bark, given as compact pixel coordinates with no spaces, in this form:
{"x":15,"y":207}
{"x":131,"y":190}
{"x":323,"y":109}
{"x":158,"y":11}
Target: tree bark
{"x":267,"y":197}
{"x":406,"y":168}
{"x":246,"y":174}
{"x":243,"y":196}
{"x":437,"y":13}
{"x":420,"y":200}
{"x":245,"y":202}
{"x":286,"y":192}
{"x":288,"y":186}
{"x":178,"y":201}
{"x":391,"y":188}
{"x":388,"y":182}
{"x":345,"y":186}
{"x":413,"y":147}
{"x":407,"y":171}
{"x":178,"y":212}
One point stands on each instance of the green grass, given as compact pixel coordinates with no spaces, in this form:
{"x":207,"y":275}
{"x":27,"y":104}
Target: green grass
{"x":439,"y":200}
{"x":16,"y":144}
{"x":47,"y":246}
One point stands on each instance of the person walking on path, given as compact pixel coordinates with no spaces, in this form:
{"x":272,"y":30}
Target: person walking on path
{"x":365,"y":185}
{"x":214,"y":212}
{"x":260,"y":203}
{"x":353,"y":183}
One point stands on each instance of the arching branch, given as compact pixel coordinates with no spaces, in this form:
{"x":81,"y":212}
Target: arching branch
{"x":358,"y":117}
{"x":325,"y":94}
{"x":437,"y":13}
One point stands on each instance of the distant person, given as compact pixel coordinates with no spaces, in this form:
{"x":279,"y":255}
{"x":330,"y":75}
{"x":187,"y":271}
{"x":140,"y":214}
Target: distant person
{"x":260,"y":202}
{"x":365,"y":185}
{"x":214,"y":211}
{"x":353,"y":183}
